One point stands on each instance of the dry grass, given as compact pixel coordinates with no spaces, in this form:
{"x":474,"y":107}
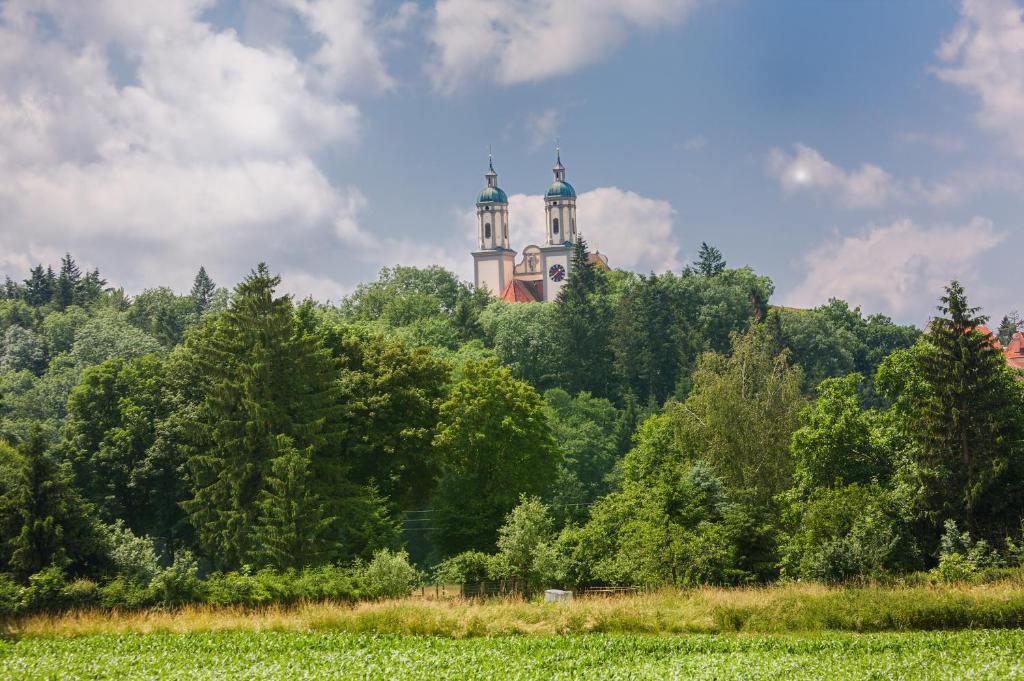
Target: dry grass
{"x":785,"y":608}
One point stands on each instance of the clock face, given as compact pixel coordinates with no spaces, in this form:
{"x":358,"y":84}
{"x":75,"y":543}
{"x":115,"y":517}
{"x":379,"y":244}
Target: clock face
{"x":557,"y":273}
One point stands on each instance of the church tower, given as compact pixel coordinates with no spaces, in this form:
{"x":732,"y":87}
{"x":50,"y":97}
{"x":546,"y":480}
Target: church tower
{"x":560,"y":223}
{"x":493,"y":260}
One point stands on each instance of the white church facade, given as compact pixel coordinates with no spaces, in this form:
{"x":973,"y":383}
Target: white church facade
{"x":543,"y":269}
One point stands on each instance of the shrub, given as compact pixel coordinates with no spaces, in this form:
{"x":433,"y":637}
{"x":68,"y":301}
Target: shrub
{"x":388,"y":575}
{"x":326,"y":583}
{"x":82,"y":593}
{"x":236,"y":588}
{"x":125,"y":594}
{"x":960,"y":559}
{"x":45,"y":590}
{"x":10,"y":595}
{"x":848,"y":532}
{"x":133,"y":557}
{"x":180,"y":582}
{"x":465,"y":567}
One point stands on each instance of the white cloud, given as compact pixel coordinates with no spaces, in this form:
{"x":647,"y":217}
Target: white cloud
{"x":899,"y":269}
{"x":198,"y":148}
{"x":985,"y":56}
{"x":515,"y":41}
{"x":349,"y":56}
{"x":870,"y":186}
{"x":635,"y":232}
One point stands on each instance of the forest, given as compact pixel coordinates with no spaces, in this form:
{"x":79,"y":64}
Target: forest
{"x":239,"y":446}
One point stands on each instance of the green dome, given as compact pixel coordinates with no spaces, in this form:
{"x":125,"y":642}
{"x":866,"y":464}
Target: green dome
{"x":561,"y":189}
{"x":492,"y":195}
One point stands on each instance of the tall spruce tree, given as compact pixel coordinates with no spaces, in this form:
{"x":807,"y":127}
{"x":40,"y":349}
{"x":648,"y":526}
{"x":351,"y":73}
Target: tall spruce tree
{"x":265,"y":378}
{"x":645,"y":343}
{"x":68,"y":282}
{"x":38,"y":287}
{"x":584,"y":320}
{"x":968,"y":422}
{"x":203,"y":289}
{"x":294,"y":524}
{"x":1010,"y":324}
{"x":709,"y":261}
{"x":90,"y":288}
{"x":11,"y":290}
{"x":44,"y":519}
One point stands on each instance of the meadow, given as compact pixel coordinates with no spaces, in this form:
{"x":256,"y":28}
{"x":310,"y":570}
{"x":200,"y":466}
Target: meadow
{"x":334,"y":654}
{"x":795,"y":631}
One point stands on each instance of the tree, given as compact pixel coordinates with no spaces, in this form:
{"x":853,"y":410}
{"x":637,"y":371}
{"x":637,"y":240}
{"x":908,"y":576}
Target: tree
{"x":294,"y":525}
{"x":495,"y":445}
{"x":967,"y":422}
{"x":709,"y":261}
{"x":741,"y":415}
{"x":584,"y":317}
{"x":38,"y":287}
{"x":11,"y":290}
{"x":203,"y":289}
{"x":119,"y":419}
{"x":585,"y":429}
{"x":390,"y":396}
{"x":90,"y":288}
{"x":22,"y":349}
{"x":525,"y":339}
{"x":835,"y":340}
{"x":835,"y":444}
{"x":849,"y":531}
{"x":646,"y":342}
{"x":44,"y":519}
{"x":162,"y":314}
{"x":68,"y":282}
{"x":265,"y":378}
{"x":1010,"y":324}
{"x":521,"y":540}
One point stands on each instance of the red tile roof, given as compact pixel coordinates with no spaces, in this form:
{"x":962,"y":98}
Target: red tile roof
{"x":518,"y":292}
{"x":1015,"y":351}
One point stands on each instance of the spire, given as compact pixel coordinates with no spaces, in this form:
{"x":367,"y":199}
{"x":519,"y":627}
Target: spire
{"x":490,"y":175}
{"x":559,"y":169}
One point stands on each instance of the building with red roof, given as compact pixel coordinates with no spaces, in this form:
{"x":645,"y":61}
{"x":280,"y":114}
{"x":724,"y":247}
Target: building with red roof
{"x":1015,"y":351}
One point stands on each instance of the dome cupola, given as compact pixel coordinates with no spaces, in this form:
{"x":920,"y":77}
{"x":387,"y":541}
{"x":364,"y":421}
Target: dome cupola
{"x":560,"y":188}
{"x":491,"y":193}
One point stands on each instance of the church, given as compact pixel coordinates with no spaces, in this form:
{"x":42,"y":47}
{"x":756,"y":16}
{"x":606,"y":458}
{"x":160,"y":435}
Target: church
{"x":543,"y":270}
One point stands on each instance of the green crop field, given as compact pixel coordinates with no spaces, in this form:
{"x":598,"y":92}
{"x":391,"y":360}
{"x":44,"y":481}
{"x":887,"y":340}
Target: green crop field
{"x":279,"y":654}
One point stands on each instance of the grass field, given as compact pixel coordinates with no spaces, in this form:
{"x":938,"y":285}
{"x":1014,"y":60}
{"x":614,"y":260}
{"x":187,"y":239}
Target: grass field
{"x":794,"y":608}
{"x":326,"y":654}
{"x":780,"y":632}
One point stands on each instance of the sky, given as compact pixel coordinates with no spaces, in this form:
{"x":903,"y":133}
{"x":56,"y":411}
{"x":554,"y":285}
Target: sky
{"x":864,"y":149}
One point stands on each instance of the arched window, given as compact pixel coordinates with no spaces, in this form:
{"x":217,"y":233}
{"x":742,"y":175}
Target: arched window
{"x":506,"y":230}
{"x":487,"y":230}
{"x":554,"y":226}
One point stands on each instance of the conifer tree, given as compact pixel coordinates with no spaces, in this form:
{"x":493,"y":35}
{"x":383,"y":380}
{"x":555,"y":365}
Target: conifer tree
{"x":265,"y":378}
{"x":709,"y":261}
{"x":294,"y":526}
{"x":38,"y":288}
{"x":67,"y":282}
{"x":90,"y":288}
{"x":583,"y":330}
{"x":45,"y":520}
{"x":11,"y":290}
{"x":1010,"y":324}
{"x":203,"y":289}
{"x":968,"y":419}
